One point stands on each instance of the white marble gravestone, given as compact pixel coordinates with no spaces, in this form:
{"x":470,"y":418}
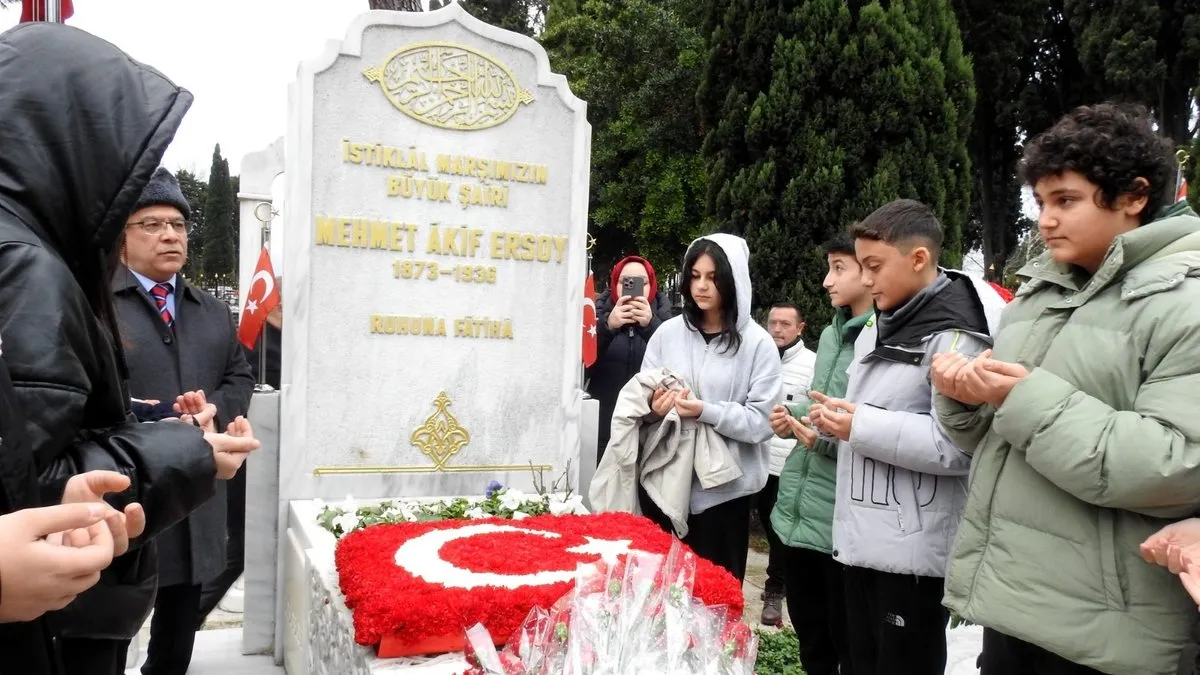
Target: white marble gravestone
{"x":435,"y":214}
{"x":437,"y":186}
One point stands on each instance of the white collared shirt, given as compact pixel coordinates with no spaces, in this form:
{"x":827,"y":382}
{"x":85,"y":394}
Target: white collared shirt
{"x":148,"y":283}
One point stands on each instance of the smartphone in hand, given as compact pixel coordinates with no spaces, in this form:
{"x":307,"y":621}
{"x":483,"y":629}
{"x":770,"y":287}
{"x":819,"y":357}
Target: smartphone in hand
{"x":634,"y":287}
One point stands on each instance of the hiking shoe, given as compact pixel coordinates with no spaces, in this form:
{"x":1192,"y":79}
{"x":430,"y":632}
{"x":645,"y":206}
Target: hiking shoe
{"x":772,"y":613}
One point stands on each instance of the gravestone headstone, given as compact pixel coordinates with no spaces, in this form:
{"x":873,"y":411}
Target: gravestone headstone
{"x":437,"y":186}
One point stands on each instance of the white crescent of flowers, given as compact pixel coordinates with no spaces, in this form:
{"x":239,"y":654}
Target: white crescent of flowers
{"x":421,"y":557}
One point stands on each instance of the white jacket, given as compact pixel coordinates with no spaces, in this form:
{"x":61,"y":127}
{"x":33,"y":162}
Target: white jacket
{"x":798,"y":364}
{"x":673,"y":450}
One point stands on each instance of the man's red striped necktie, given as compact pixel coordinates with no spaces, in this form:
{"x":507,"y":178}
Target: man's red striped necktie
{"x":160,"y":292}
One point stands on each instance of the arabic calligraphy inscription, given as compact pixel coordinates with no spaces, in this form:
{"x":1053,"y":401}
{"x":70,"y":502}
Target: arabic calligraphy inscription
{"x":450,"y":86}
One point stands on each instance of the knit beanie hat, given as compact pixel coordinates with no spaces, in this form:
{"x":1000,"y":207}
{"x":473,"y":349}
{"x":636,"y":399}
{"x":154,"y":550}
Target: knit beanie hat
{"x":163,"y":188}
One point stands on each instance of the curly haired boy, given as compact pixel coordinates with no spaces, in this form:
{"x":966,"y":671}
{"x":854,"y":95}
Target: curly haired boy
{"x":1083,"y":421}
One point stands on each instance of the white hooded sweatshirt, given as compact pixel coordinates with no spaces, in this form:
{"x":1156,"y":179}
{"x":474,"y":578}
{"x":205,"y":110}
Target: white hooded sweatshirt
{"x":738,"y":389}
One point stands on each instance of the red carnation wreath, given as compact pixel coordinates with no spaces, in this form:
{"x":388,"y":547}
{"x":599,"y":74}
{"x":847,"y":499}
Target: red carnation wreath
{"x":414,"y":588}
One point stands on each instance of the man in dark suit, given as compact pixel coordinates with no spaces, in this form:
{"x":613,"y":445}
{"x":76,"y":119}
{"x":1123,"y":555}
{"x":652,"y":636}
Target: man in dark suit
{"x":178,"y":338}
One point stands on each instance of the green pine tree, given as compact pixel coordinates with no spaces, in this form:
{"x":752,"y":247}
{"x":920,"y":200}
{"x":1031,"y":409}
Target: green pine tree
{"x":195,"y":191}
{"x":521,"y":16}
{"x":1145,"y":51}
{"x":220,"y":240}
{"x":235,"y":209}
{"x":866,"y":102}
{"x":559,"y":10}
{"x":1002,"y":40}
{"x":636,"y":63}
{"x":396,"y":5}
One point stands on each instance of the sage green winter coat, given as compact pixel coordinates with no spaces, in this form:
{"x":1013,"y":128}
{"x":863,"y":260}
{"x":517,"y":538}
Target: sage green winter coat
{"x":1091,"y":453}
{"x":803,"y":515}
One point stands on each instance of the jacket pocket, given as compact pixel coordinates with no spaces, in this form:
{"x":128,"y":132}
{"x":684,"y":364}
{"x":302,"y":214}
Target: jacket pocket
{"x":1114,"y":596}
{"x":908,"y":503}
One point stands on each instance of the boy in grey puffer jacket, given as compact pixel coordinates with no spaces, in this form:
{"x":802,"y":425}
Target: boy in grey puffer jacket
{"x":901,"y":483}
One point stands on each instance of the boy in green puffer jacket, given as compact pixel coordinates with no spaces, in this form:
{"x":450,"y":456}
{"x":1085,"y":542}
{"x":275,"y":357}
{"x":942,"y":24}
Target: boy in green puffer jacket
{"x":1084,"y":421}
{"x":803,"y":515}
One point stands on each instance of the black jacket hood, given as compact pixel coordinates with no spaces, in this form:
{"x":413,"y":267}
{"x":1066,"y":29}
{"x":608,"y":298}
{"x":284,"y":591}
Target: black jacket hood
{"x":82,"y":128}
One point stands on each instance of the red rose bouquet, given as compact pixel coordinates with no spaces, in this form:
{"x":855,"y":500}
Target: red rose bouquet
{"x":638,"y":615}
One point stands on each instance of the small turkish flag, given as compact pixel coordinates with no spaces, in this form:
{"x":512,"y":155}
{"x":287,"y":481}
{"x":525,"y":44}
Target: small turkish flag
{"x":1181,"y":196}
{"x":260,"y":300}
{"x":589,"y":321}
{"x":35,"y":10}
{"x":1003,"y":292}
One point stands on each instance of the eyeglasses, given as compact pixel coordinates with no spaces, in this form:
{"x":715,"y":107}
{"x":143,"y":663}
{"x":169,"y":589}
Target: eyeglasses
{"x":154,"y":226}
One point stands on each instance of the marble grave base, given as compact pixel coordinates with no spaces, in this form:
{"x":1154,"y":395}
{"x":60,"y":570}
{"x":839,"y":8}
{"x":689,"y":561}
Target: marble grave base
{"x":318,"y":634}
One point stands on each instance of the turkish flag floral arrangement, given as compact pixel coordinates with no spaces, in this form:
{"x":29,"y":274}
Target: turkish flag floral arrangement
{"x":636,"y":616}
{"x":415,"y":587}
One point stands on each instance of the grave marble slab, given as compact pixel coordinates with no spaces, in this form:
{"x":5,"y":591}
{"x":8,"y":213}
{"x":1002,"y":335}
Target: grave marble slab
{"x":320,"y":629}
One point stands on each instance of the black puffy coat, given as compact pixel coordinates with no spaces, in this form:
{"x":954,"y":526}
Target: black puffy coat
{"x":82,"y":128}
{"x":619,"y":356}
{"x":24,"y":647}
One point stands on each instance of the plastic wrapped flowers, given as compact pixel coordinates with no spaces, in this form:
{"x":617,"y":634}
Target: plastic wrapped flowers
{"x":637,"y":616}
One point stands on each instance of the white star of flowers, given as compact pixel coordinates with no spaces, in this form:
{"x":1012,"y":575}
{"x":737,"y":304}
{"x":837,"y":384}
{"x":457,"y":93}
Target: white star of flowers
{"x":251,"y":306}
{"x":607,"y":549}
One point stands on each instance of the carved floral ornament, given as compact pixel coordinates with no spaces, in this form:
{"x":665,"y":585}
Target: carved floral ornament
{"x":441,"y":436}
{"x":449,"y":85}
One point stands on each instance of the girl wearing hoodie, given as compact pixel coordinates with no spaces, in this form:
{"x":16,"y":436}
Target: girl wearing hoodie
{"x":733,"y":377}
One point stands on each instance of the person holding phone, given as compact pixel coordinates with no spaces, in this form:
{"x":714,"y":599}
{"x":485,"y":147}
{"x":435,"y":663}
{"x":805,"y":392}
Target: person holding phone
{"x":626,"y":317}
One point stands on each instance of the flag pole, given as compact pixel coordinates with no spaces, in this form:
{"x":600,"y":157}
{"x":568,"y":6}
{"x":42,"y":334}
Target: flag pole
{"x":591,"y":242}
{"x":54,"y":11}
{"x":1181,"y":159}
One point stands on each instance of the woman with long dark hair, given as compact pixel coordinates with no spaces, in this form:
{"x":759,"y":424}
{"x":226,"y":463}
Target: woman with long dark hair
{"x":732,"y":376}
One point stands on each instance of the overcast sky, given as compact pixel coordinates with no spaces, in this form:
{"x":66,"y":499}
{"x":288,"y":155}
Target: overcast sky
{"x":236,"y":56}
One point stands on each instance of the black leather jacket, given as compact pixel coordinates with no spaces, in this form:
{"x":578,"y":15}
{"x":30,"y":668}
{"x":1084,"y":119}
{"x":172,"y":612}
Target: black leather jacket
{"x":26,"y":647}
{"x":82,"y":128}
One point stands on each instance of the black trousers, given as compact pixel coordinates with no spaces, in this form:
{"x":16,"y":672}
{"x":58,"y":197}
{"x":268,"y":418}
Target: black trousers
{"x":817,"y":605}
{"x":895,"y":623}
{"x":764,"y":503}
{"x":172,"y":630}
{"x":235,"y":547}
{"x":1003,"y":654}
{"x":81,"y":656}
{"x":720,"y":535}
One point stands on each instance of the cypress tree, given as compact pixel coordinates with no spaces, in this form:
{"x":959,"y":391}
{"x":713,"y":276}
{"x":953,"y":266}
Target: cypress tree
{"x":1001,"y":39}
{"x":1146,"y":51}
{"x":521,"y":16}
{"x":866,"y":102}
{"x":220,"y":241}
{"x":637,"y":63}
{"x":195,"y":191}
